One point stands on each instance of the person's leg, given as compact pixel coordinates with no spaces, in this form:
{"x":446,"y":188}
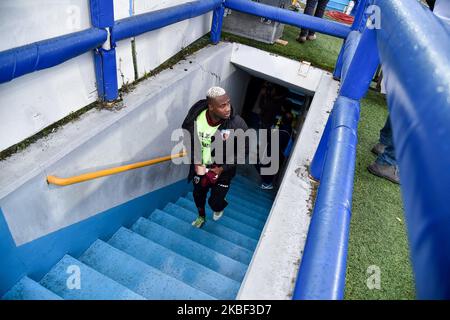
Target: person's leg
{"x":217,"y":200}
{"x":385,"y":138}
{"x":200,"y":194}
{"x":386,"y":133}
{"x":266,"y":162}
{"x":309,"y":10}
{"x":385,"y":165}
{"x":320,"y":11}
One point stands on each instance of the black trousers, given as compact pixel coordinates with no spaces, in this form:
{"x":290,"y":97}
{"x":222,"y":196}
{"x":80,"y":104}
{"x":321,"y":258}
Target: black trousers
{"x":309,"y":10}
{"x":216,"y":200}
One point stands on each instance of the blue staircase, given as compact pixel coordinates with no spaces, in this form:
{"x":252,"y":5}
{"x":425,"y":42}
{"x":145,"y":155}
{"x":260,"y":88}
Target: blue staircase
{"x":163,"y":256}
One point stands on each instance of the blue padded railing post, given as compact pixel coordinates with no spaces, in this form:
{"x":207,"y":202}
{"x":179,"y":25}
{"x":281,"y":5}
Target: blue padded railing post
{"x":322,"y":270}
{"x":102,"y":16}
{"x":338,"y":67}
{"x":358,"y":74}
{"x":360,"y":15}
{"x":358,"y":24}
{"x":216,"y":26}
{"x":414,"y":51}
{"x":317,"y":163}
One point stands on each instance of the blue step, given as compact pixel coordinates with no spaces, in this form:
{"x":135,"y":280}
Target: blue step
{"x":252,"y":191}
{"x":246,"y":181}
{"x":254,"y":196}
{"x":189,"y":249}
{"x":175,"y":265}
{"x":201,"y":236}
{"x":251,"y":209}
{"x":137,"y":275}
{"x":239,"y":213}
{"x":238,"y":206}
{"x":261,"y":208}
{"x":28,"y":289}
{"x":250,"y":184}
{"x":251,"y":198}
{"x":93,"y":284}
{"x":226,"y":221}
{"x":212,"y":227}
{"x":260,"y":204}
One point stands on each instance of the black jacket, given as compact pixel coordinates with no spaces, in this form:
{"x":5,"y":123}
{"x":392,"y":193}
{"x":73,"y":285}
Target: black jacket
{"x":233,"y":123}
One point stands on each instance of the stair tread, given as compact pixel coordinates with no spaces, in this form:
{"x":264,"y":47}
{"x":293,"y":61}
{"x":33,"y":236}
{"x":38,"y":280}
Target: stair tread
{"x":201,"y":236}
{"x":28,"y":289}
{"x":256,"y":190}
{"x":93,"y":284}
{"x":240,"y":213}
{"x":212,"y":227}
{"x":136,"y":275}
{"x":188,"y":248}
{"x":251,"y":192}
{"x":251,"y":206}
{"x":226,"y":221}
{"x":175,"y":265}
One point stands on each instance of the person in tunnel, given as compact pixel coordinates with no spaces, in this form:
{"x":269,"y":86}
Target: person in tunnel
{"x":209,"y":121}
{"x":283,"y":124}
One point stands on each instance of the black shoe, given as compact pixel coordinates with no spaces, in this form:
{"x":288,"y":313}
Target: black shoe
{"x":378,"y":149}
{"x":385,"y":171}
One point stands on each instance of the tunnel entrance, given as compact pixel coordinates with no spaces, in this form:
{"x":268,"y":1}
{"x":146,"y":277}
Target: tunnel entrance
{"x":268,"y":105}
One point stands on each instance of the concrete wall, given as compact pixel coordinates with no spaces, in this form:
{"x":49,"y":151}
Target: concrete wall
{"x":139,"y":130}
{"x":34,"y":101}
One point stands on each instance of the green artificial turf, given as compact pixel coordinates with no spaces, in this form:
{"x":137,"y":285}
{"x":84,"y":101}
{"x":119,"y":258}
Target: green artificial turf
{"x":377,"y":230}
{"x":321,"y":53}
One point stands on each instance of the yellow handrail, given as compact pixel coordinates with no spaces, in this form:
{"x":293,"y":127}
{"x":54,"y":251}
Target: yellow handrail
{"x":107,"y":172}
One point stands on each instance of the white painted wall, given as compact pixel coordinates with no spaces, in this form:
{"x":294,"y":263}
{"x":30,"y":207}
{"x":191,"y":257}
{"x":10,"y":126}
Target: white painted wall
{"x":34,"y":101}
{"x":141,"y":130}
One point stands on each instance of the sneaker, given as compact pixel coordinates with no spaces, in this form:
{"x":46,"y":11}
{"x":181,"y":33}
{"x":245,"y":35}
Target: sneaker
{"x":301,"y":39}
{"x":385,"y":171}
{"x":217,"y":215}
{"x":199,"y":222}
{"x":267,"y":186}
{"x":312,"y":37}
{"x":378,"y":149}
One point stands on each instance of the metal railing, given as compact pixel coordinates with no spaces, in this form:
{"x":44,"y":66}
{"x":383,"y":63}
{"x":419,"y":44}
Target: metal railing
{"x":111,"y":171}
